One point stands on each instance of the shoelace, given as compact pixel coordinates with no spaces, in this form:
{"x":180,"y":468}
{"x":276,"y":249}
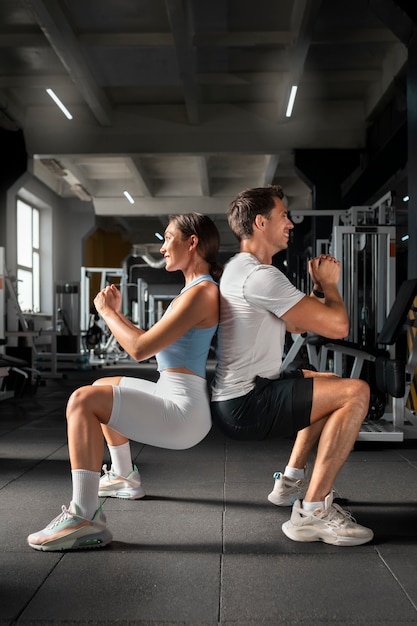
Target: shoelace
{"x":294,"y":484}
{"x":106,"y":471}
{"x":109,"y":473}
{"x":65,"y":514}
{"x":337,"y":515}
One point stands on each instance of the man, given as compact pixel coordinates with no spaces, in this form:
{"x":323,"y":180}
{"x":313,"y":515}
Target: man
{"x":253,"y":399}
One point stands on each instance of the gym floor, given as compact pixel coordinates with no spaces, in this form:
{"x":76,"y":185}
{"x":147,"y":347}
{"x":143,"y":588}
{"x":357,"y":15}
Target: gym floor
{"x":204,"y":547}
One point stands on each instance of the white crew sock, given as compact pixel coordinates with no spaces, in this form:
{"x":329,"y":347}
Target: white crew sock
{"x":121,"y":459}
{"x":85,"y":485}
{"x":294,"y":473}
{"x":312,"y":506}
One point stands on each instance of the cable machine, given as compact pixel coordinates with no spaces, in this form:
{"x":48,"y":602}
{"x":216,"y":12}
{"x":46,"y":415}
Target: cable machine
{"x":95,"y":335}
{"x":367,"y":248}
{"x":363,"y":238}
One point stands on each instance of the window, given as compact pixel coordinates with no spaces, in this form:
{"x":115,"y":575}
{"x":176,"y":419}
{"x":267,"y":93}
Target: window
{"x":28,"y":279}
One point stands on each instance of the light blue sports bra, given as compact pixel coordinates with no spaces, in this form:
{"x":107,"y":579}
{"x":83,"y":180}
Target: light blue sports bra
{"x":190,"y":350}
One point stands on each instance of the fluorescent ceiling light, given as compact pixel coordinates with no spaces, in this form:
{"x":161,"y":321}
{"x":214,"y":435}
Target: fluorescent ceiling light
{"x":405,"y":237}
{"x":159,"y":236}
{"x":129,"y":197}
{"x":406,"y":198}
{"x":58,"y":102}
{"x":291,"y":101}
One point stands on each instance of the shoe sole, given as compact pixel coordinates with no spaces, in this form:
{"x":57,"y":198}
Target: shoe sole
{"x":123,"y":494}
{"x":306,"y":535}
{"x":80,"y":543}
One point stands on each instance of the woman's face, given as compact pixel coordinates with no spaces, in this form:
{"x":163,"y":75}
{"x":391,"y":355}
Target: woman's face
{"x":175,"y":248}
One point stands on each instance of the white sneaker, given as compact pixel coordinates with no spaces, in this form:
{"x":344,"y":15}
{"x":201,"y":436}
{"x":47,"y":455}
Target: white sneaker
{"x":113,"y":486}
{"x":286,"y":490}
{"x":70,"y":531}
{"x":334,"y":525}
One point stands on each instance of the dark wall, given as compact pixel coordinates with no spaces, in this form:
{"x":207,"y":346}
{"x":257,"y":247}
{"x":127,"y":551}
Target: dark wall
{"x":13,"y":163}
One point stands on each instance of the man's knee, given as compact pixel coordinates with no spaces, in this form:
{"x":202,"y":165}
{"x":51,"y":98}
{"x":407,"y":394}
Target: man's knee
{"x":359,"y":394}
{"x":360,"y":388}
{"x":334,"y":394}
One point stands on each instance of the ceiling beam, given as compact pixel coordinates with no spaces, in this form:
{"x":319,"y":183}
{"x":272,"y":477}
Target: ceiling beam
{"x":185,"y":57}
{"x":160,"y":206}
{"x":236,"y":39}
{"x":303,"y":18}
{"x":126,"y":40}
{"x":74,"y":172}
{"x":169,"y":205}
{"x":23,"y":40}
{"x":271,"y":164}
{"x":395,"y":19}
{"x":153,"y":128}
{"x":139,"y":176}
{"x":241,"y":39}
{"x":39,"y":81}
{"x":351,"y":36}
{"x":244,"y":39}
{"x":61,"y":37}
{"x":203,"y":175}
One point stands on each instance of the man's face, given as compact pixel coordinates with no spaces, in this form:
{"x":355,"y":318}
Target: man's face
{"x":278,"y":226}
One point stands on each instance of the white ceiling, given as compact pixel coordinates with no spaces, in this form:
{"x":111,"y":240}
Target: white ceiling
{"x":182,"y":102}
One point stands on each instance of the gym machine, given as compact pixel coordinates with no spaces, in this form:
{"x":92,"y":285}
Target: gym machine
{"x":143,"y":301}
{"x":96,"y":339}
{"x":63,"y":350}
{"x":363,"y":238}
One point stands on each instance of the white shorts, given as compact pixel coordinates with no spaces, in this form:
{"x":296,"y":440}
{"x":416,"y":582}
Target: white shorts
{"x":172,"y":413}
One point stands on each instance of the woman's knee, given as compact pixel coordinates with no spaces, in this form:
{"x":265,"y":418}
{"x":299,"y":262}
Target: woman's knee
{"x":94,"y":401}
{"x":78,"y":400}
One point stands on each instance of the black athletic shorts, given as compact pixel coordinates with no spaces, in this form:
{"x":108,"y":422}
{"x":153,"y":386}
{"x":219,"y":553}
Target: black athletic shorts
{"x":274,"y":408}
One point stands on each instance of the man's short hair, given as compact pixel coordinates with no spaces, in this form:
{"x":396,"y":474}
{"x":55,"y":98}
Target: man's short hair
{"x":248,"y":204}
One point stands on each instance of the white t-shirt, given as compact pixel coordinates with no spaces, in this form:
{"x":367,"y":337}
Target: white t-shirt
{"x":251,"y":334}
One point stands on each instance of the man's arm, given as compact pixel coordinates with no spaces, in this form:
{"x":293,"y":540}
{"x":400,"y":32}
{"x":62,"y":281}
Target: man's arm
{"x":323,"y":316}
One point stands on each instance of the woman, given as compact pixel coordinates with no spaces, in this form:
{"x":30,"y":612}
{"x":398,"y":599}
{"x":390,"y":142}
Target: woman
{"x":172,"y":413}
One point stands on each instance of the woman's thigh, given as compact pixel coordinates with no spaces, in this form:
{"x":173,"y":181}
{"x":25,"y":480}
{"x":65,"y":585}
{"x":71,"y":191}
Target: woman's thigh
{"x":174,"y":417}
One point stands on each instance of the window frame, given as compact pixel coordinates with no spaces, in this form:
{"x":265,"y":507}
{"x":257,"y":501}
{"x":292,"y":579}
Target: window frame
{"x":29,"y":265}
